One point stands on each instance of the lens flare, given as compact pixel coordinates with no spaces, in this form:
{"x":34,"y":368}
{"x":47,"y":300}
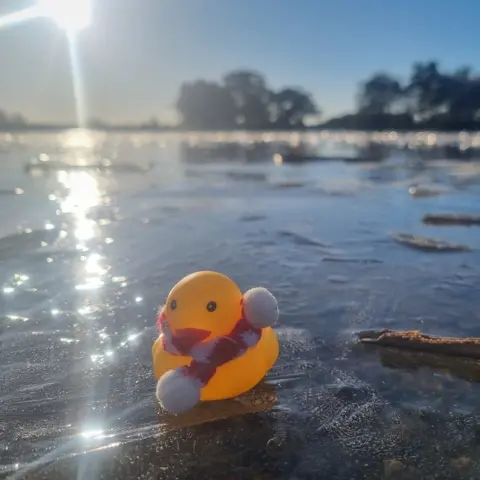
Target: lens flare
{"x":70,"y":15}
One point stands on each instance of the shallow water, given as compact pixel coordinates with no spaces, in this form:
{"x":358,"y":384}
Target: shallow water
{"x":87,"y":254}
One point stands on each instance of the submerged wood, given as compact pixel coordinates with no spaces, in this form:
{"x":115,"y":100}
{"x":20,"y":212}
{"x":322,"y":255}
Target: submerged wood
{"x":419,"y":191}
{"x":428,"y":244}
{"x":415,"y":340}
{"x":301,"y":158}
{"x":451,"y":219}
{"x":461,"y":367}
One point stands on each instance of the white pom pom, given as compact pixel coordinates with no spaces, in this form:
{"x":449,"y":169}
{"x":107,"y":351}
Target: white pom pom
{"x":178,"y":393}
{"x":261,"y":308}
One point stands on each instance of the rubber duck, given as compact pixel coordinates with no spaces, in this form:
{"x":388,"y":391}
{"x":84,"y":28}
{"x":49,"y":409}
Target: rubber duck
{"x":214,"y":342}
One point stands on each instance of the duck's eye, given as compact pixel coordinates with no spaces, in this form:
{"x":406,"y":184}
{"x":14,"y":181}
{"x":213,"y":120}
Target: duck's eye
{"x":211,"y":306}
{"x":173,"y":305}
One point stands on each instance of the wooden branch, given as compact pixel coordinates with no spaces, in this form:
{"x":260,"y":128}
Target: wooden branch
{"x":428,"y":244}
{"x":451,"y":219}
{"x":260,"y":399}
{"x":414,"y":340}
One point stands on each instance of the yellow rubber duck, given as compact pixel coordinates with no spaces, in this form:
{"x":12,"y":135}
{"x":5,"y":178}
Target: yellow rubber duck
{"x":215,"y":343}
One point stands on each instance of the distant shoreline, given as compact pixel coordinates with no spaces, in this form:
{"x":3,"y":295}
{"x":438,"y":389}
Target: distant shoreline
{"x":176,"y":130}
{"x":430,"y":101}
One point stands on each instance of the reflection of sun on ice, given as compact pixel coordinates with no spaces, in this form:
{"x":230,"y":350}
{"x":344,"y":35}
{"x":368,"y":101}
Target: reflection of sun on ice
{"x":83,"y":194}
{"x":93,"y":265}
{"x":79,"y":139}
{"x":83,"y":191}
{"x":85,"y":230}
{"x":71,"y":15}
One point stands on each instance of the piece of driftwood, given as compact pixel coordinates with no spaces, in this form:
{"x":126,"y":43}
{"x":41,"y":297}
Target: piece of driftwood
{"x":428,"y":244}
{"x":260,"y":399}
{"x":419,"y":191}
{"x":451,"y":219}
{"x":417,"y":341}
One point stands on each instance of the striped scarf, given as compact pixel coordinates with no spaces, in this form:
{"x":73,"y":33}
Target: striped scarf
{"x":207,"y":356}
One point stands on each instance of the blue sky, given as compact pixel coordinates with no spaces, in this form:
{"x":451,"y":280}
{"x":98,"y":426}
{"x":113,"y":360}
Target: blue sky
{"x":137,"y":52}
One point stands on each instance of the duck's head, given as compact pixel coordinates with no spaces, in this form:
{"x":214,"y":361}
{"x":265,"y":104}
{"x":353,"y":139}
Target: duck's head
{"x":203,"y":305}
{"x":206,"y":304}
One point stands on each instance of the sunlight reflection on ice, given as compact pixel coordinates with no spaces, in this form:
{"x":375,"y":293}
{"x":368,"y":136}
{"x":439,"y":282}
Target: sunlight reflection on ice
{"x":96,"y":358}
{"x":90,"y":284}
{"x":119,"y":279}
{"x":17,"y":318}
{"x":110,"y":353}
{"x":20,"y":279}
{"x":85,"y":310}
{"x":89,"y":434}
{"x":68,"y":340}
{"x":77,"y":139}
{"x":83,"y":194}
{"x":85,"y":229}
{"x":83,"y":191}
{"x":92,"y":265}
{"x":133,"y":336}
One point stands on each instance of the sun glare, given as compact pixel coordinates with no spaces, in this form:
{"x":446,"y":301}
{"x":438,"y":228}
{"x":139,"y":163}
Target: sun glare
{"x":70,"y":15}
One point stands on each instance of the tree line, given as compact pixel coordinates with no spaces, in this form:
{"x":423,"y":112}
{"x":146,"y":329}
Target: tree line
{"x":12,"y":119}
{"x":242,"y":100}
{"x":429,"y":99}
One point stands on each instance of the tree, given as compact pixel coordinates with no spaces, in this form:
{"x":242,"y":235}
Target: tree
{"x":463,"y":73}
{"x":443,"y":99}
{"x":251,"y":97}
{"x":430,"y":89}
{"x":206,"y":105}
{"x":3,"y":118}
{"x":244,"y":100}
{"x":96,"y":123}
{"x":464,"y":101}
{"x":379,"y":94}
{"x":291,"y":105}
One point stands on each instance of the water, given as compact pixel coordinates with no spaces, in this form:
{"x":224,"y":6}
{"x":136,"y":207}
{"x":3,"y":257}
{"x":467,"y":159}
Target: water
{"x":88,"y":254}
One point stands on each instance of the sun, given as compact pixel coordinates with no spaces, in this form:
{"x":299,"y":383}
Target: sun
{"x":70,"y":15}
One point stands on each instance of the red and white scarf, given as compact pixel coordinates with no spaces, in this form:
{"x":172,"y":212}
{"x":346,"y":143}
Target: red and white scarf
{"x":207,"y":356}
